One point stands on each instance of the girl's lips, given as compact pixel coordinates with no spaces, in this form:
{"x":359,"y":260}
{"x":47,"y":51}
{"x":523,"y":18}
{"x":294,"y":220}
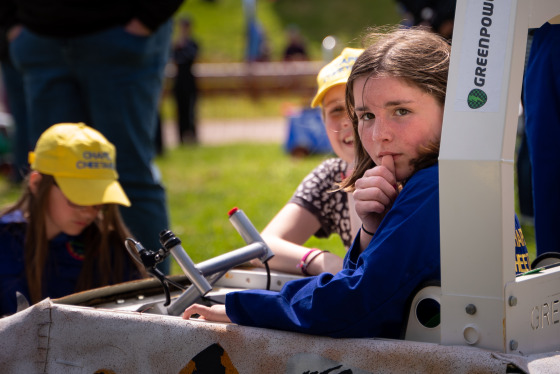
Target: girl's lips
{"x":394,"y":154}
{"x":382,"y":154}
{"x":348,"y":140}
{"x":81,"y":224}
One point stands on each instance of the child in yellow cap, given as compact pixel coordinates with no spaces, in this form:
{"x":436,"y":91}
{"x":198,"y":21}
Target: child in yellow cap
{"x":65,"y":233}
{"x":315,"y":208}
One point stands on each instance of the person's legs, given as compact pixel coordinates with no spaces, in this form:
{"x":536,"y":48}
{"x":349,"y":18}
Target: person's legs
{"x":121,"y":76}
{"x":524,"y":182}
{"x":181,"y":103}
{"x":51,"y":92}
{"x":192,"y":109}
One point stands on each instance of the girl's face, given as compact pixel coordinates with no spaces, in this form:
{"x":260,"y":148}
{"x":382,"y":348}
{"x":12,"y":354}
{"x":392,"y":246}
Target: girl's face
{"x":338,"y":124}
{"x":395,"y":119}
{"x":67,"y":217}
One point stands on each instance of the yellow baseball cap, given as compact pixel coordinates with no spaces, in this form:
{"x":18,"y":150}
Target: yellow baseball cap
{"x":335,"y":72}
{"x":82,"y":162}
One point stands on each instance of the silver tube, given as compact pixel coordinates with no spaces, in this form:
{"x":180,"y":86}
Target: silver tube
{"x":188,"y":297}
{"x":233,"y":258}
{"x":247,"y":231}
{"x":194,"y":275}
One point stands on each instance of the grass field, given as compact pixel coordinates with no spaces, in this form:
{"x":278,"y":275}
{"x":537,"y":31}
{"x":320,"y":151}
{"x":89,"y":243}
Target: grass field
{"x":219,"y":25}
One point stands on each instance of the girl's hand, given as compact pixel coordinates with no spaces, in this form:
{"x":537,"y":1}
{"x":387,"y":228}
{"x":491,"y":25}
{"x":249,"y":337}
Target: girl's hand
{"x":215,"y":313}
{"x":375,"y":193}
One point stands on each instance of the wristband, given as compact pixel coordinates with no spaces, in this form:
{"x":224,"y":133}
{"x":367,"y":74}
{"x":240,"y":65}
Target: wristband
{"x":302,"y":264}
{"x":367,"y":232}
{"x":311,"y":260}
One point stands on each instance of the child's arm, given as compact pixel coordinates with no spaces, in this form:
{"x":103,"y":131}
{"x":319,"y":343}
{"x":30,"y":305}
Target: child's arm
{"x":286,"y":234}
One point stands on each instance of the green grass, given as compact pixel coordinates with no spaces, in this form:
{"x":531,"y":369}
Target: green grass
{"x":219,"y":25}
{"x":204,"y":183}
{"x":8,"y":193}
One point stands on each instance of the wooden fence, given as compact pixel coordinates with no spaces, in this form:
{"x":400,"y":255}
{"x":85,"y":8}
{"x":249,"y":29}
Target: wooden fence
{"x":258,"y":78}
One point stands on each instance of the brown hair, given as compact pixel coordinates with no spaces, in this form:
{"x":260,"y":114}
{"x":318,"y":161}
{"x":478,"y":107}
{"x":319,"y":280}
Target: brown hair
{"x":419,"y":57}
{"x":105,"y":253}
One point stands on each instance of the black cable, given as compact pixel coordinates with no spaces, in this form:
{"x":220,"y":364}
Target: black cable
{"x":178,"y":285}
{"x":267,"y":275}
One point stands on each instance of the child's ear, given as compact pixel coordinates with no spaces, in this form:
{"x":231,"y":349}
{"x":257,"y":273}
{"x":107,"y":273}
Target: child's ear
{"x":34,"y":179}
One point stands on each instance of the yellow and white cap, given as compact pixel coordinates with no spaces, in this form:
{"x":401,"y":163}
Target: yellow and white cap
{"x":82,"y":162}
{"x":335,"y":72}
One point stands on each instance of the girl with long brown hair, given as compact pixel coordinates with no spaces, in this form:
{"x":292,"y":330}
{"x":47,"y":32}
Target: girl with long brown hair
{"x":395,"y":98}
{"x":65,"y":233}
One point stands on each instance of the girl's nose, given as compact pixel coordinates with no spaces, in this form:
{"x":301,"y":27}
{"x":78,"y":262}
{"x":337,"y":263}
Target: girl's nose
{"x":381,"y":130}
{"x":346,"y":122}
{"x":90,"y":210}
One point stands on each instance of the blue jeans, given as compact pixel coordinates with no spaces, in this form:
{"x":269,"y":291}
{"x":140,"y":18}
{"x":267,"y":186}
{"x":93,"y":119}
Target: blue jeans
{"x":112,"y":81}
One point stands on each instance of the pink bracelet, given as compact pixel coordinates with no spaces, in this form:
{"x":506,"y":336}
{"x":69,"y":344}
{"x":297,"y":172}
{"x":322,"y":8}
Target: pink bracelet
{"x":301,"y":264}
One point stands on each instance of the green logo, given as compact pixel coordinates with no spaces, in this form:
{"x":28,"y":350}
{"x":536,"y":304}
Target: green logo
{"x":477,"y":98}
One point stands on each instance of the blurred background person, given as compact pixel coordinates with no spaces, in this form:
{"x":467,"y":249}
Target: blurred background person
{"x":437,"y":15}
{"x":296,"y":49}
{"x":256,"y":49}
{"x":15,"y":103}
{"x":185,"y":52}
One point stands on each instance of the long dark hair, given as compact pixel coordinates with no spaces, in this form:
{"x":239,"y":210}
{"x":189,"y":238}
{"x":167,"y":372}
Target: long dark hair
{"x":419,"y":57}
{"x":105,"y":256}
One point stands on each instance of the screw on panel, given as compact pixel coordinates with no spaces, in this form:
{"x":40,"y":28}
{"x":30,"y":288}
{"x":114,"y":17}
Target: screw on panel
{"x":512,"y":301}
{"x":513,"y":345}
{"x":470,"y":309}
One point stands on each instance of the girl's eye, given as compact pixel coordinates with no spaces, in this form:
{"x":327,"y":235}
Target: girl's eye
{"x":367,"y":116}
{"x":401,"y":112}
{"x":337,"y":110}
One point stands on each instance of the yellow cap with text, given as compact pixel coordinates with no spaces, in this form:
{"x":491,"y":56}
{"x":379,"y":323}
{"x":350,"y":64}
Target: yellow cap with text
{"x":82,"y":162}
{"x":335,"y":72}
